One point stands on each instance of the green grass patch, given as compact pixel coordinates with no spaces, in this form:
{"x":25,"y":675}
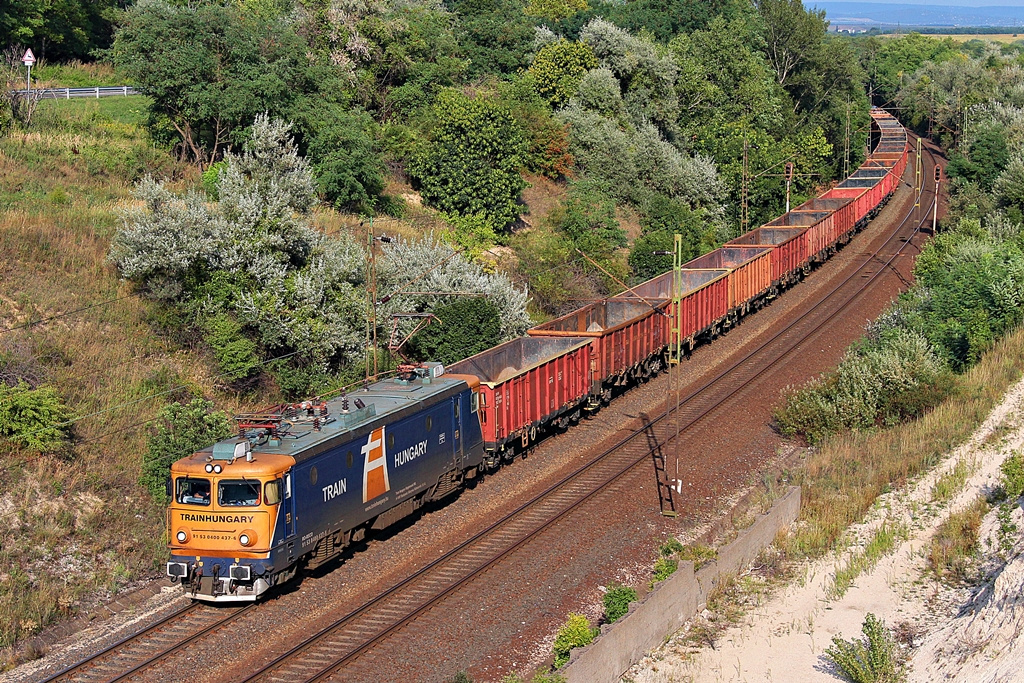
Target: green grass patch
{"x":882,"y":542}
{"x":955,"y":544}
{"x":950,"y":483}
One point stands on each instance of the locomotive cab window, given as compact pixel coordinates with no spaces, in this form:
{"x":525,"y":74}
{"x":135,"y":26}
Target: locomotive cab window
{"x":474,"y":402}
{"x":238,"y":493}
{"x":193,"y":491}
{"x":272,"y":492}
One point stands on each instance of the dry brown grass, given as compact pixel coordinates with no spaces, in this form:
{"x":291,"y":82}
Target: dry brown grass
{"x":844,"y":477}
{"x":76,"y":527}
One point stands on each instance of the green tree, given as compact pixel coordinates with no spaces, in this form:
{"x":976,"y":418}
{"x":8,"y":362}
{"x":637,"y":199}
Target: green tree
{"x":182,"y":430}
{"x":471,"y":163}
{"x":554,"y":10}
{"x":463,"y":328}
{"x":33,"y":418}
{"x":346,"y":162}
{"x":208,"y":69}
{"x":496,"y":36}
{"x":559,"y":67}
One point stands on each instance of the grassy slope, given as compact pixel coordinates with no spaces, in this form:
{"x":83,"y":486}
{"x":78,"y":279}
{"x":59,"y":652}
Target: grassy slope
{"x":70,"y":526}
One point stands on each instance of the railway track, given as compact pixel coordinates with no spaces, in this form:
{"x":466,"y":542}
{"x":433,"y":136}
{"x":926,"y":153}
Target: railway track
{"x":141,"y":651}
{"x":338,"y":648}
{"x":342,"y":645}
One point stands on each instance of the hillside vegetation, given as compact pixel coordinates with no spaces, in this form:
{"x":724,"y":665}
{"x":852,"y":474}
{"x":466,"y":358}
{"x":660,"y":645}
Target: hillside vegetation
{"x":207,"y":241}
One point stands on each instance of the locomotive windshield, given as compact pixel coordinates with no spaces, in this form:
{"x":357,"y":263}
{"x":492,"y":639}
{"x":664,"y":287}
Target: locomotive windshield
{"x":238,"y":493}
{"x":193,"y":491}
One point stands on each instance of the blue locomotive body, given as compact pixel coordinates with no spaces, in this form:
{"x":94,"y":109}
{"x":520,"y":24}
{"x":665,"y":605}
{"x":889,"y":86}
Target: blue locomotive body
{"x":320,"y":484}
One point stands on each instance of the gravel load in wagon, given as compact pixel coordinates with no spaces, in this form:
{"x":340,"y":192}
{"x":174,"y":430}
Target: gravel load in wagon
{"x":869,"y":172}
{"x":797,"y":218}
{"x":526,"y":383}
{"x":859,"y":182}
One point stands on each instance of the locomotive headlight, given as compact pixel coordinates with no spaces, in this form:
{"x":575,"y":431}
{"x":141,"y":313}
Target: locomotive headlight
{"x":247,"y":538}
{"x":217,"y":469}
{"x":209,"y":468}
{"x":182,"y":536}
{"x":244,"y":539}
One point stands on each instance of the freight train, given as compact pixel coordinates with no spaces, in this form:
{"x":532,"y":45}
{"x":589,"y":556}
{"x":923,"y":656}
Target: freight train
{"x":300,"y":483}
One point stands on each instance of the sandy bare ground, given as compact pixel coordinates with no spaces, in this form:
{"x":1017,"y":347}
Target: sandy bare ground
{"x":958,"y":634}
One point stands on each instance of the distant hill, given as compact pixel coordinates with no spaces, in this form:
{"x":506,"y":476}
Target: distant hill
{"x":885,"y":14}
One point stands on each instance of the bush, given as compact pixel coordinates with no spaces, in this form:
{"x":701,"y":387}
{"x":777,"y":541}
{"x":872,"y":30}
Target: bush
{"x":559,"y":67}
{"x":874,"y":659}
{"x":33,"y":418}
{"x":616,"y":602}
{"x":463,"y":328}
{"x":347,"y":164}
{"x":235,"y":353}
{"x":663,"y":568}
{"x":891,"y":376}
{"x":471,"y":163}
{"x":182,"y":430}
{"x":1012,"y":476}
{"x":576,"y":632}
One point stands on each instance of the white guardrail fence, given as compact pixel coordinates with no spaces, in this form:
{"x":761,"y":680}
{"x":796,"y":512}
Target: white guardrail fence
{"x":70,"y":93}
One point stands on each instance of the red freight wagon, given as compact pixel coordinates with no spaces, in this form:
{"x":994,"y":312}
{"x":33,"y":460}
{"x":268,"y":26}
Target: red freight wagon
{"x":857,"y":196}
{"x":750,"y":271}
{"x":819,"y":228}
{"x":526,"y":384}
{"x":790,"y":249}
{"x":843,"y":213}
{"x":627,"y":334}
{"x":703,"y":300}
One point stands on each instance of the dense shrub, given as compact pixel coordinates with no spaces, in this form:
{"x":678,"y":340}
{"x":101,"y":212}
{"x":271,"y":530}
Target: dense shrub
{"x":576,"y":632}
{"x":559,"y":67}
{"x":616,"y":601}
{"x":891,"y":376}
{"x":463,"y":328}
{"x":182,"y":429}
{"x":346,"y":163}
{"x":33,"y":418}
{"x":235,"y":352}
{"x":874,"y":659}
{"x":471,"y":163}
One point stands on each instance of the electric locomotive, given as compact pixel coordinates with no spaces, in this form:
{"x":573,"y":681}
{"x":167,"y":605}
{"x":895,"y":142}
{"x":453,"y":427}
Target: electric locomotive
{"x":301,"y":482}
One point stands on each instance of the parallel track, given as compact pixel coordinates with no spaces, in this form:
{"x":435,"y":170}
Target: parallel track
{"x":138,"y":652}
{"x":341,"y":644}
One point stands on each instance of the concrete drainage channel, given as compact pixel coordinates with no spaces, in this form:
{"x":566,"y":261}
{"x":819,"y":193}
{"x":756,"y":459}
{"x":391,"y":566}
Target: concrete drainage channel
{"x":673,"y":601}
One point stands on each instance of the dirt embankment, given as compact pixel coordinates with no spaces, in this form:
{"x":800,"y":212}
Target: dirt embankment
{"x":958,"y":633}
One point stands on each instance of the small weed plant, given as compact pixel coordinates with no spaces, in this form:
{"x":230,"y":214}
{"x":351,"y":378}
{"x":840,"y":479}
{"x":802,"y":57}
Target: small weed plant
{"x":663,"y":568}
{"x":1012,"y":476}
{"x":950,"y":483}
{"x":616,"y":602}
{"x":1007,"y":532}
{"x":699,"y":554}
{"x":875,"y":658}
{"x":575,"y":632}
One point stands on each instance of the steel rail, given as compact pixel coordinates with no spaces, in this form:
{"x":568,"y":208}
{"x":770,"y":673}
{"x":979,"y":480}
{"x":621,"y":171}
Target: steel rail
{"x":289,"y":657}
{"x":84,"y":669}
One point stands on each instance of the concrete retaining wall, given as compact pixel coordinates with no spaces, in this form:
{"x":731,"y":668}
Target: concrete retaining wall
{"x":678,"y":598}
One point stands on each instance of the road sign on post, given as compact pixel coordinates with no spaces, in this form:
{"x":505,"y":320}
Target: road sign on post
{"x":28,"y":59}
